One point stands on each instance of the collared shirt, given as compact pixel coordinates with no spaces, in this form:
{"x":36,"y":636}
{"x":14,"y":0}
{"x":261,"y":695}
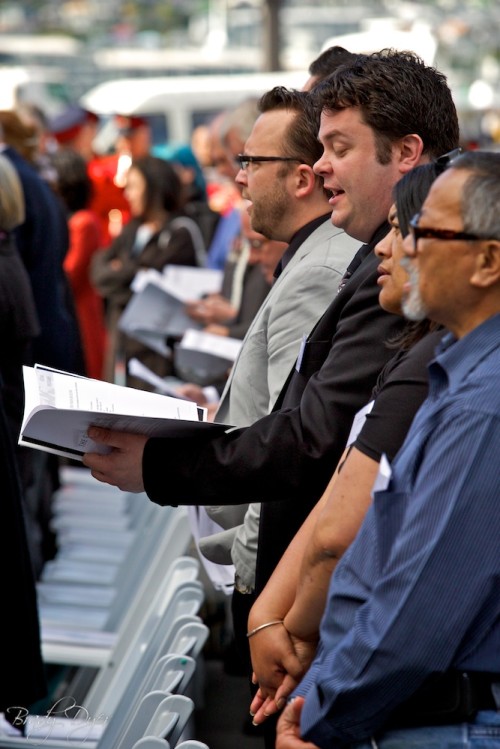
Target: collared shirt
{"x":418,"y":591}
{"x":297,"y":240}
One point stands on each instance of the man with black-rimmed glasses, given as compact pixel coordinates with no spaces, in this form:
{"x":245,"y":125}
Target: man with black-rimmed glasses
{"x":285,"y":202}
{"x":409,"y":653}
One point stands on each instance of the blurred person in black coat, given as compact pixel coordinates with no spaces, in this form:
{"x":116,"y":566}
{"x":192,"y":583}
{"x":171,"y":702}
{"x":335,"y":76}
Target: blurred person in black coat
{"x":23,"y":679}
{"x":42,"y":241}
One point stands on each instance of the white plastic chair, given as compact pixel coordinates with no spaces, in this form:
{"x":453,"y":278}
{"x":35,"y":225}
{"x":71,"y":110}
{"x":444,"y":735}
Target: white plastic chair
{"x":95,"y":594}
{"x":157,"y":714}
{"x":151,"y":742}
{"x":111,"y":721}
{"x":168,"y":722}
{"x":86,"y":582}
{"x":184,"y":635}
{"x":92,"y":647}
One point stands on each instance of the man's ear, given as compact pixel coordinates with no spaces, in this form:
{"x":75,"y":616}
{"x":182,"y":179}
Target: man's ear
{"x":305,"y":180}
{"x":487,"y":268}
{"x":409,"y":152}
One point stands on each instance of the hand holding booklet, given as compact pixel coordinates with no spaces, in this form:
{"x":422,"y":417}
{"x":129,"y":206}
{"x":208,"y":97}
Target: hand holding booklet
{"x":59,"y":408}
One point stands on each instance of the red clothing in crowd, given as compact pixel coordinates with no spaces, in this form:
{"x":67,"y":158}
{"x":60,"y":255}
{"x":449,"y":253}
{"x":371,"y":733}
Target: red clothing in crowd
{"x":85,"y":241}
{"x":108,"y":200}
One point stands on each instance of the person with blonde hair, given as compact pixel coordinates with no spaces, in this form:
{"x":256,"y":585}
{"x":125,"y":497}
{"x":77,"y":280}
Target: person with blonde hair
{"x":12,"y":208}
{"x":20,"y":134}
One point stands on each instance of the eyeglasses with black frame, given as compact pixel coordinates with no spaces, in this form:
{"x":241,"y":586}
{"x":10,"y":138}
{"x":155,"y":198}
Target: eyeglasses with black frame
{"x":426,"y":232}
{"x":244,"y":160}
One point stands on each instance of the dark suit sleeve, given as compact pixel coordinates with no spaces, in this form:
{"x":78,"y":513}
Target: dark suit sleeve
{"x":293,"y":450}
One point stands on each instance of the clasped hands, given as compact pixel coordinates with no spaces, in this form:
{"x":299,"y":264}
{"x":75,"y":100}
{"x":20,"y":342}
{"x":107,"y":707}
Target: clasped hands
{"x":279,"y":661}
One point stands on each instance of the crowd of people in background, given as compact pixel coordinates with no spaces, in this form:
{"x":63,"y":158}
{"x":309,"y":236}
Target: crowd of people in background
{"x":356,"y":486}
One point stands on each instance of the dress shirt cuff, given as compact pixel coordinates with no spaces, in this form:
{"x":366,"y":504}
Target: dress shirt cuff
{"x":314,"y":711}
{"x":314,"y":725}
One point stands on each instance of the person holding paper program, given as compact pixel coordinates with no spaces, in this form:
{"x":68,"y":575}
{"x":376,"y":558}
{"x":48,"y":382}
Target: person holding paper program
{"x":244,"y":286}
{"x":155,"y":235}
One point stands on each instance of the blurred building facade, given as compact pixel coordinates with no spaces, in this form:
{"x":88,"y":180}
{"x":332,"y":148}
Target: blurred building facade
{"x":68,"y":46}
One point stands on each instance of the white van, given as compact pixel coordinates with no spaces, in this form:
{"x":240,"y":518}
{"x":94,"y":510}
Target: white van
{"x":175,"y":105}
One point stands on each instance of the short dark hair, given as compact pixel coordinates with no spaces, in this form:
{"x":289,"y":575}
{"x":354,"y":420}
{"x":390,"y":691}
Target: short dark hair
{"x":301,"y":136}
{"x":329,"y":60}
{"x":481,"y":192}
{"x":72,"y":181}
{"x":163,"y":185}
{"x":398,"y":94}
{"x":411,"y":191}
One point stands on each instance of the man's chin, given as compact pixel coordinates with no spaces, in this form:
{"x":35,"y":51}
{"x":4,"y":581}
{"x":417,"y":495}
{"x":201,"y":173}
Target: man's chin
{"x":256,"y":225}
{"x":414,"y":309}
{"x":336,"y":219}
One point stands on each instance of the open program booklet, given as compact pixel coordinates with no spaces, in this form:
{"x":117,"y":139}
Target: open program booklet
{"x":157,"y":308}
{"x":205,"y":358}
{"x":59,"y":408}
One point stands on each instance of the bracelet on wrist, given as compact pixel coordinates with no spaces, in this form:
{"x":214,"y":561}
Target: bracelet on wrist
{"x":263,"y":626}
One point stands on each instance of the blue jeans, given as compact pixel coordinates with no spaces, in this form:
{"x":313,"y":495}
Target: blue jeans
{"x":482,"y":733}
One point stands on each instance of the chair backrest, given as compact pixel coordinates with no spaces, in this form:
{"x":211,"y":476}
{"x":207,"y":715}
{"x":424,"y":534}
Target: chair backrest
{"x":124,"y":574}
{"x":167,"y":721}
{"x":167,"y":561}
{"x":94,"y":576}
{"x":159,"y":578}
{"x":141,"y":713}
{"x":151,"y":742}
{"x":124,"y":674}
{"x":157,"y":714}
{"x":189,"y":744}
{"x":171,"y":674}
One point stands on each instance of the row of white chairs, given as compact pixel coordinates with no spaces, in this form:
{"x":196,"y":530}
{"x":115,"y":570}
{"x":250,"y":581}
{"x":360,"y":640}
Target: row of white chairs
{"x":85,"y":603}
{"x":120,"y":605}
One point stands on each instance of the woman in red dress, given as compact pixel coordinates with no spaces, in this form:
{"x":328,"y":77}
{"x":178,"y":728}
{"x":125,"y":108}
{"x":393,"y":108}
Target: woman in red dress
{"x":74,"y":188}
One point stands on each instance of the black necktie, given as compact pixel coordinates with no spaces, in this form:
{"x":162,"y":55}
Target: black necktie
{"x":358,"y":258}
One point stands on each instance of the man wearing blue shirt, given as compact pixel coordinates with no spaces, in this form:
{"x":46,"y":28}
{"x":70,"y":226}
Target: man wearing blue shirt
{"x":409,"y":653}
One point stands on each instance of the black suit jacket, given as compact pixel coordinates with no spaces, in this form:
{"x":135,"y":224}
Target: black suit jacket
{"x":286,"y":459}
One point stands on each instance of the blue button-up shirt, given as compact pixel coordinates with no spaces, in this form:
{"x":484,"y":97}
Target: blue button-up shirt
{"x":419,"y":589}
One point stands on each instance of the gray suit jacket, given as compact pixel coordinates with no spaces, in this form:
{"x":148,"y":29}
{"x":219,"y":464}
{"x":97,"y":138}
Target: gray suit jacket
{"x":296,"y":301}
